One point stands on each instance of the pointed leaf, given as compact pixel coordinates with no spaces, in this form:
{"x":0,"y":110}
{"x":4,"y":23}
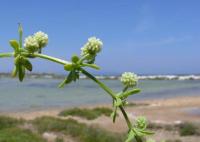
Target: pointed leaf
{"x":91,"y":66}
{"x":67,"y":80}
{"x":20,"y":31}
{"x":15,"y":71}
{"x":17,"y":60}
{"x":62,"y":84}
{"x":130,"y":92}
{"x":27,"y":64}
{"x":21,"y":72}
{"x":14,"y":44}
{"x":146,"y":132}
{"x":114,"y":115}
{"x":131,"y":136}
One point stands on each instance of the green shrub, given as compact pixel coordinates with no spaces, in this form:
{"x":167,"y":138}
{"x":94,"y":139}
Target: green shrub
{"x":19,"y":135}
{"x":154,"y":126}
{"x":89,"y":114}
{"x":186,"y":129}
{"x":7,"y":122}
{"x":59,"y":139}
{"x":77,"y":130}
{"x":177,"y":140}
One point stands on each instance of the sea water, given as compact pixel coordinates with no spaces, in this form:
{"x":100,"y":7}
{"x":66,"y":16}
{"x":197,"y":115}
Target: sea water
{"x":34,"y":94}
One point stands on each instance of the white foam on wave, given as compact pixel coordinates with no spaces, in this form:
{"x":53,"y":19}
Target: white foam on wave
{"x":158,"y":77}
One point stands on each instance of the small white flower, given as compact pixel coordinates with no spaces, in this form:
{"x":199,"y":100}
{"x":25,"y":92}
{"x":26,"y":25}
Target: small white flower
{"x":31,"y":44}
{"x":41,"y":38}
{"x":92,"y":47}
{"x":129,"y":79}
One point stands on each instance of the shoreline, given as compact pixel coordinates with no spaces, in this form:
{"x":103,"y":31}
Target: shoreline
{"x":171,"y":109}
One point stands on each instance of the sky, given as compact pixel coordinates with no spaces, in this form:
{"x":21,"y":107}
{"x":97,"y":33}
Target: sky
{"x":141,"y":36}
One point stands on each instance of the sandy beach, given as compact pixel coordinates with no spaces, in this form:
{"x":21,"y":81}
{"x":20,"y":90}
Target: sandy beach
{"x":160,"y":111}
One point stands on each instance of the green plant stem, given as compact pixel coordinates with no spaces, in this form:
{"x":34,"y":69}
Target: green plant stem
{"x":50,"y":58}
{"x":82,"y":59}
{"x":103,"y":86}
{"x":109,"y":91}
{"x":10,"y":54}
{"x":125,"y":88}
{"x":126,"y":117}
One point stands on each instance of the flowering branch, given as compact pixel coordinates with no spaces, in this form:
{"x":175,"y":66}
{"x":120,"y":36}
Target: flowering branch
{"x":32,"y":48}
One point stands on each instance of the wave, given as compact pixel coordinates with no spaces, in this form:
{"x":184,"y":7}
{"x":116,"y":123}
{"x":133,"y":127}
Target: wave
{"x":158,"y":77}
{"x":141,"y":77}
{"x":170,"y":77}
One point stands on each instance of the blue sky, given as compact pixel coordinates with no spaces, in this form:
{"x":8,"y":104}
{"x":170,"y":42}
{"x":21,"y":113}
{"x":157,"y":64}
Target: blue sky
{"x":142,"y":36}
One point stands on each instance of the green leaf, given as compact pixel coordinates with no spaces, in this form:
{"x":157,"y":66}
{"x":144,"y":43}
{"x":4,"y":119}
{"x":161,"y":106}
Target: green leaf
{"x":76,"y":75}
{"x":20,"y":31}
{"x":67,"y":80}
{"x":14,"y":44}
{"x":131,"y":136}
{"x":130,"y":92}
{"x":21,"y":72}
{"x":114,"y":115}
{"x":17,"y":60}
{"x":62,"y":84}
{"x":91,"y":66}
{"x":15,"y":71}
{"x":27,"y":64}
{"x":146,"y":132}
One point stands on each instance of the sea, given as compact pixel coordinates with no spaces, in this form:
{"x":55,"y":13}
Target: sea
{"x":38,"y":93}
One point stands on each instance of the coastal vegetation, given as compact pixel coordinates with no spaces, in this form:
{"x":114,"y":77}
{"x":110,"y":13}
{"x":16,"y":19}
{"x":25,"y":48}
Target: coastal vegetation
{"x":20,"y":130}
{"x":89,"y":114}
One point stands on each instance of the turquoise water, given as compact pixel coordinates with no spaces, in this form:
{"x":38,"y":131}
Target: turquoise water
{"x":33,"y":94}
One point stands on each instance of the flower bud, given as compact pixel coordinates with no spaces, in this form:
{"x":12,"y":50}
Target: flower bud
{"x":141,"y":122}
{"x":92,"y":47}
{"x":75,"y":59}
{"x":129,"y":79}
{"x":31,"y":44}
{"x":41,"y":38}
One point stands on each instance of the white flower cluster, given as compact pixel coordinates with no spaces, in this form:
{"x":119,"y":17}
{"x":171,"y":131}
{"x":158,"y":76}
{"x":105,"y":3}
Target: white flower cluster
{"x":92,"y":47}
{"x":41,"y":38}
{"x":35,"y":42}
{"x":129,"y":79}
{"x":31,"y":44}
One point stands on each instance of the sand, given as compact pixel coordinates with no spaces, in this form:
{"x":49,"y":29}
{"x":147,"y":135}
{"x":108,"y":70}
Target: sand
{"x":164,"y":109}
